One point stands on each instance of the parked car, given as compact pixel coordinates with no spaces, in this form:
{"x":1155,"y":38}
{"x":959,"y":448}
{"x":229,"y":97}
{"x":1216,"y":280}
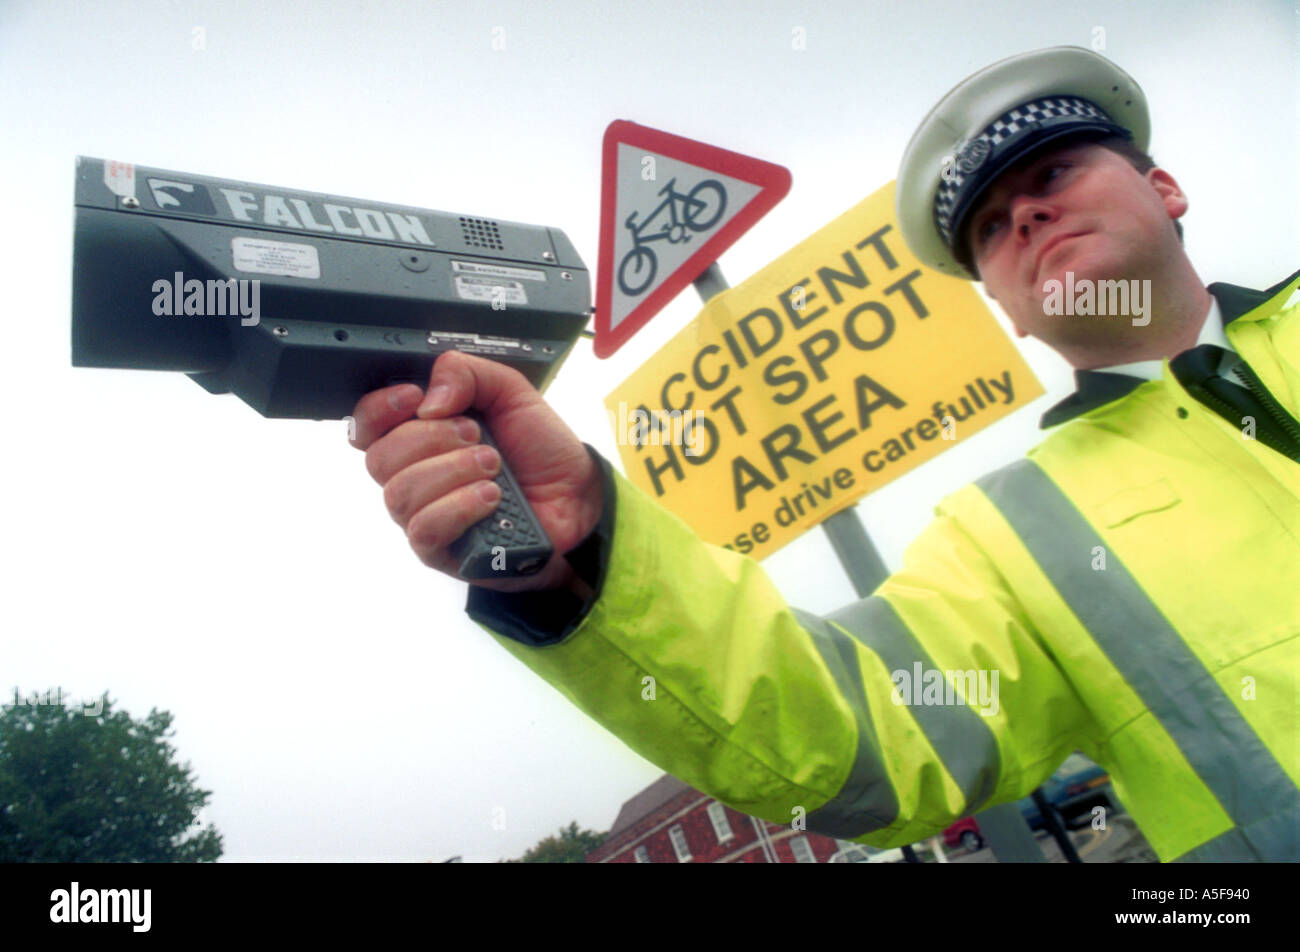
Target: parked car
{"x":965,"y":832}
{"x":1073,"y":789}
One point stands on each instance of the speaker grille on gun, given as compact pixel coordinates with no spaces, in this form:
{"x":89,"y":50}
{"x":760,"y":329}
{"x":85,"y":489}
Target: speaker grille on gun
{"x":481,"y":233}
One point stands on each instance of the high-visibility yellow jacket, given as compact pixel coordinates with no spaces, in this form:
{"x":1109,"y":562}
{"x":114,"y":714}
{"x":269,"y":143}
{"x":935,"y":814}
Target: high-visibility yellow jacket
{"x":1134,"y":583}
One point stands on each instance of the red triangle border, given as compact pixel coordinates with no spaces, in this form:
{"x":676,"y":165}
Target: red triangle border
{"x":772,"y":180}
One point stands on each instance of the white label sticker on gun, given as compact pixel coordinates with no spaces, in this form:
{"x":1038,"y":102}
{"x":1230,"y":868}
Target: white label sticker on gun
{"x":494,"y":291}
{"x":497,"y":271}
{"x":259,"y":256}
{"x":477,"y":344}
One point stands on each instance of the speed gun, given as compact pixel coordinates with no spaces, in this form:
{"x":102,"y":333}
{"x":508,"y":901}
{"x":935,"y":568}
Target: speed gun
{"x":300,"y":303}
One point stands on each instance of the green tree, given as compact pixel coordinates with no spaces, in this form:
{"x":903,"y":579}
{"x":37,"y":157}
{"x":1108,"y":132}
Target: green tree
{"x":79,"y":787}
{"x":571,"y":846}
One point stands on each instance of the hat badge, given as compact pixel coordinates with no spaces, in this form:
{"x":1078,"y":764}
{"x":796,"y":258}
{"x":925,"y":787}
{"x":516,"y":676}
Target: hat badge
{"x":973,"y":154}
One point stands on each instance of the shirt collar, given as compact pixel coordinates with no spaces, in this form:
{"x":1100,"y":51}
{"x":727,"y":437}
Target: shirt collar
{"x":1211,"y":333}
{"x":1096,"y":388}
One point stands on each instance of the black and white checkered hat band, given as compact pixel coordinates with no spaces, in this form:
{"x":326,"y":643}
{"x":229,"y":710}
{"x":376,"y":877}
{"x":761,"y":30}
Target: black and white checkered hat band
{"x":961,"y":170}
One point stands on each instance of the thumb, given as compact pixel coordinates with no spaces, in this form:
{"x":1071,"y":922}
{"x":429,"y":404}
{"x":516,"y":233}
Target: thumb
{"x":460,"y":381}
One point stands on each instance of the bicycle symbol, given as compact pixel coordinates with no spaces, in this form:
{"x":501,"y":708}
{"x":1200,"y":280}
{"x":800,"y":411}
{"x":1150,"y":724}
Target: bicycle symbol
{"x":697,"y":210}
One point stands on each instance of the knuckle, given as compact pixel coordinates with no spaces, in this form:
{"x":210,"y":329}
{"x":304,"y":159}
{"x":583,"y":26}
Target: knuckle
{"x":428,"y":531}
{"x":429,"y":557}
{"x":370,"y":409}
{"x":395,"y":496}
{"x":438,"y":437}
{"x":375,"y":465}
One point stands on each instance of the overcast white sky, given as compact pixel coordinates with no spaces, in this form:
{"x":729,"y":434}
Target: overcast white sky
{"x":179,"y":551}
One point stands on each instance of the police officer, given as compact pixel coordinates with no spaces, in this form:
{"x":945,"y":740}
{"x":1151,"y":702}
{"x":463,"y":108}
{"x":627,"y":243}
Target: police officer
{"x":1134,"y":583}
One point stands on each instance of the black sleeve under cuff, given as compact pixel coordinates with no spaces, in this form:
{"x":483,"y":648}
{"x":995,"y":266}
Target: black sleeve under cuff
{"x":547,"y":618}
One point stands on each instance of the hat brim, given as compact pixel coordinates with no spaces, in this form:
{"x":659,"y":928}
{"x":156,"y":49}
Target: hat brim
{"x":968,"y":109}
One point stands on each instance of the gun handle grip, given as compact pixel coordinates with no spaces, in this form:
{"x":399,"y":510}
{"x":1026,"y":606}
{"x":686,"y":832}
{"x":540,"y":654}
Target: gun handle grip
{"x":511,"y":542}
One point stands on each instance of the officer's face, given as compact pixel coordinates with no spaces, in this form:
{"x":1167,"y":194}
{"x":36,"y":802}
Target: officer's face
{"x":1082,"y":209}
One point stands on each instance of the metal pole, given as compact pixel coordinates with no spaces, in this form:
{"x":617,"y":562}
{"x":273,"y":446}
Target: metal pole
{"x":711,"y":282}
{"x":1005,"y":830}
{"x":1052,"y":818}
{"x":857,"y":553}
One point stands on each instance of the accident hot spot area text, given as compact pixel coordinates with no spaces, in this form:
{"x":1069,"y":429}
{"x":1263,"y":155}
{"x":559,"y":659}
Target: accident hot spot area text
{"x":835,"y":370}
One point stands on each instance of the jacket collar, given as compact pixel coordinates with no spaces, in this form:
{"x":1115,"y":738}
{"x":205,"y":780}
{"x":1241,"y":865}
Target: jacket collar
{"x":1096,"y":388}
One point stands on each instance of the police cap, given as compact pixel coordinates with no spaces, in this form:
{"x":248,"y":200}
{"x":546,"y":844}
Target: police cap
{"x":995,"y":118}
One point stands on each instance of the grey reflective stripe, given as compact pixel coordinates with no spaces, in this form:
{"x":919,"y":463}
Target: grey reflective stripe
{"x":1221,"y":747}
{"x":959,"y":734}
{"x":867,"y":800}
{"x":1274,"y":837}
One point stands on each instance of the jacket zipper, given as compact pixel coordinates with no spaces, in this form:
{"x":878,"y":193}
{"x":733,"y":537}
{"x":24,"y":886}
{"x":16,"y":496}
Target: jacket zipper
{"x":1275,"y":410}
{"x":1291,"y":450}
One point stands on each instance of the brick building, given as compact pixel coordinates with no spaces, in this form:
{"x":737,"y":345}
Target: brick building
{"x":670,"y":822}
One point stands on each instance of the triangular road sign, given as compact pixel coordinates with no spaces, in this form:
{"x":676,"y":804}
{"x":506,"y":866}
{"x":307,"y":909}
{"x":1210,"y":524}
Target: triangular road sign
{"x":669,"y":207}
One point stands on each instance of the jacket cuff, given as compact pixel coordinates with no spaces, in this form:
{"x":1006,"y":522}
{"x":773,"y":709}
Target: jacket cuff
{"x":546,"y":618}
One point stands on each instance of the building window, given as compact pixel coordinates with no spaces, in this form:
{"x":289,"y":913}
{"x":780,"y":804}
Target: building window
{"x":678,"y":836}
{"x":718,"y":814}
{"x":803,"y":851}
{"x":642,"y":856}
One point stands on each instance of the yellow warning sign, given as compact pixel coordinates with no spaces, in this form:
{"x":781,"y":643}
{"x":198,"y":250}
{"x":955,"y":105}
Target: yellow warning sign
{"x":837,"y":368}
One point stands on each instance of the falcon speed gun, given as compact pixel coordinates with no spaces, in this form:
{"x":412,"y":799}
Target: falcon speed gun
{"x":300,"y":303}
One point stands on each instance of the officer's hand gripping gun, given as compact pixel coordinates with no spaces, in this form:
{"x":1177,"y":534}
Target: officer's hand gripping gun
{"x":300,"y":303}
